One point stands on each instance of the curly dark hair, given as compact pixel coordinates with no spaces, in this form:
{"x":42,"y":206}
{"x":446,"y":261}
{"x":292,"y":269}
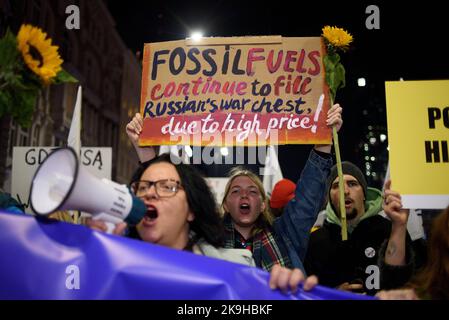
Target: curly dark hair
{"x":207,"y":223}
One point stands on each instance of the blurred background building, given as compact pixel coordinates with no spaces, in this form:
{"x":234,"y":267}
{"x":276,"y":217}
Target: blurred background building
{"x":107,"y":70}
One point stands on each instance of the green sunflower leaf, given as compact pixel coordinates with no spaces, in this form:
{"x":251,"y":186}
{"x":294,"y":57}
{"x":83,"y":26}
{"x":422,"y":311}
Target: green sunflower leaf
{"x":24,"y":104}
{"x":9,"y":53}
{"x":63,"y":77}
{"x":5,"y":102}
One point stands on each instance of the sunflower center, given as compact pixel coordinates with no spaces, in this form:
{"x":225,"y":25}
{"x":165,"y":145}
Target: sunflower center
{"x":36,"y":55}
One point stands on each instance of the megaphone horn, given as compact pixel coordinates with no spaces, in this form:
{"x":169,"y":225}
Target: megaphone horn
{"x":60,"y":183}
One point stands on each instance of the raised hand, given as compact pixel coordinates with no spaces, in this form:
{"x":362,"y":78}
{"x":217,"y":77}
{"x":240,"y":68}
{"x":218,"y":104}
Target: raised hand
{"x":134,"y":128}
{"x":334,"y":117}
{"x":392,"y":206}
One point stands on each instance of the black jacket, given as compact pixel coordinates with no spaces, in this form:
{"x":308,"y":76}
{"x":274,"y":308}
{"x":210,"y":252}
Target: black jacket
{"x":335,"y":261}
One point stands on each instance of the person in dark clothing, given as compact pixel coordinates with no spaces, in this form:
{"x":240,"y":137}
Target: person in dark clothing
{"x":432,"y":281}
{"x":370,"y":259}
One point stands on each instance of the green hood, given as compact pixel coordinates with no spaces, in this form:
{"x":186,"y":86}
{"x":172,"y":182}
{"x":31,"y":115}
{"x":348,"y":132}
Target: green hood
{"x":373,"y":205}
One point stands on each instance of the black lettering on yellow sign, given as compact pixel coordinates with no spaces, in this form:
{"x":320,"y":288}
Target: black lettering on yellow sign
{"x":437,"y":114}
{"x":437,"y":151}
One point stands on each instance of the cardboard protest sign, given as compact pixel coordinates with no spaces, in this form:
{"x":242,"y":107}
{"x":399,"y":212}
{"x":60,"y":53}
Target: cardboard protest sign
{"x":418,"y":133}
{"x":26,"y":160}
{"x":234,"y":91}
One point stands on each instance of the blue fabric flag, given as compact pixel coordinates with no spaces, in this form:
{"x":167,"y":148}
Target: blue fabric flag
{"x":45,"y":259}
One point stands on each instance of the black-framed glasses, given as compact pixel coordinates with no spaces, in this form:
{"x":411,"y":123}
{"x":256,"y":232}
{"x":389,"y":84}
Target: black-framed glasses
{"x":165,"y":188}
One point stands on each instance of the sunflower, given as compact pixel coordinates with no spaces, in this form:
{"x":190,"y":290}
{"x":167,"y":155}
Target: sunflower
{"x":39,"y":55}
{"x":337,"y":38}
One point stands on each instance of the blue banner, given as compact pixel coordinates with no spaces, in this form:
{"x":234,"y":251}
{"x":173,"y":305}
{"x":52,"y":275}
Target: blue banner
{"x":44,"y":259}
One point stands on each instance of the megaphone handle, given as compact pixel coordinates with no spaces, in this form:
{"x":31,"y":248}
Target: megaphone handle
{"x":109,"y":220}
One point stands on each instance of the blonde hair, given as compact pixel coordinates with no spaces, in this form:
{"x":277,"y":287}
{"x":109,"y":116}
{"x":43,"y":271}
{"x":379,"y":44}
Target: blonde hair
{"x":266,"y":217}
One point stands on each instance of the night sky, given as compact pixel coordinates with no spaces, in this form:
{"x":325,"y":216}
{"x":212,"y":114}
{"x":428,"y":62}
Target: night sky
{"x":409,"y":44}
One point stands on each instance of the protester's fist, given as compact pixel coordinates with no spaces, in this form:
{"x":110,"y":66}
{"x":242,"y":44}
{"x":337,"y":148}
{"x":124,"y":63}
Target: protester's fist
{"x":392,"y":206}
{"x":285,"y":279}
{"x":134,"y":128}
{"x":334,"y":118}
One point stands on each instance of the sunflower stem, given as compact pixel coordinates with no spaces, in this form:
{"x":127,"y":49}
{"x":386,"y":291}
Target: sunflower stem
{"x":344,"y":229}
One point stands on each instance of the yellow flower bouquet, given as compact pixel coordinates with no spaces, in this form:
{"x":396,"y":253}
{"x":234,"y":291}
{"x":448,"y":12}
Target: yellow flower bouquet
{"x":28,"y":63}
{"x":336,"y":39}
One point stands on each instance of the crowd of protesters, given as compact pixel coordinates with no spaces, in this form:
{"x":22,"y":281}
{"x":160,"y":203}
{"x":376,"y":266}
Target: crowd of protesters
{"x":286,"y":234}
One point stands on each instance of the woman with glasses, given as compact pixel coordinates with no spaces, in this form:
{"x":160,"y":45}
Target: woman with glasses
{"x":182,"y":214}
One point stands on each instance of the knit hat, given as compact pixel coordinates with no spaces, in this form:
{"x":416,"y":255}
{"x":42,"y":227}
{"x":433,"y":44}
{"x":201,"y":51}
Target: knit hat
{"x":283,"y":192}
{"x":347,"y":168}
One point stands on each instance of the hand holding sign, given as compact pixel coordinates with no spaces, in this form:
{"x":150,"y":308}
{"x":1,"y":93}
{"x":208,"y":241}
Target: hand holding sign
{"x":393,"y":206}
{"x":395,"y":253}
{"x":133,"y":130}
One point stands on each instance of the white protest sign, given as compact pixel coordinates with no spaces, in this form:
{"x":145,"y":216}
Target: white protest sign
{"x":26,"y":160}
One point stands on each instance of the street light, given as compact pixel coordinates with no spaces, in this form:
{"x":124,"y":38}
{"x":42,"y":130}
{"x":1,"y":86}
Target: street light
{"x":361,"y":82}
{"x":196,"y":35}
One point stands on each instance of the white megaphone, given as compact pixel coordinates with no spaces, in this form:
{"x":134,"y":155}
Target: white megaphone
{"x":60,"y":183}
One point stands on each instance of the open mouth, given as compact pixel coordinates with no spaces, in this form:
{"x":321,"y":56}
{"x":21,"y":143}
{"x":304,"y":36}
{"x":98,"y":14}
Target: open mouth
{"x":348,"y":202}
{"x":245,"y":208}
{"x":152,"y":213}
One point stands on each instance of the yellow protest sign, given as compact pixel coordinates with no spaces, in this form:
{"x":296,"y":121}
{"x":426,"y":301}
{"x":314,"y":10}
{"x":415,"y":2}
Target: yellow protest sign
{"x":418,"y":133}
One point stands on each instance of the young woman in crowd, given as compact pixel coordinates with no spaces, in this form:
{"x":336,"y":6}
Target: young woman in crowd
{"x":249,"y":223}
{"x":182,"y":214}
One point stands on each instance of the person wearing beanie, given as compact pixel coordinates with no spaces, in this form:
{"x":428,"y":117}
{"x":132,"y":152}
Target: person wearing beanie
{"x":359,"y":264}
{"x":283,"y":191}
{"x":356,"y":181}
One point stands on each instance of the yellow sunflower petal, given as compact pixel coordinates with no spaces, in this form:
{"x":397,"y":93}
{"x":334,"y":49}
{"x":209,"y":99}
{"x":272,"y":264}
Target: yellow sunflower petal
{"x":337,"y":37}
{"x":47,"y":63}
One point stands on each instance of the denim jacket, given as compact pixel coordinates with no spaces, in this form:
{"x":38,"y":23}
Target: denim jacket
{"x":293,"y":227}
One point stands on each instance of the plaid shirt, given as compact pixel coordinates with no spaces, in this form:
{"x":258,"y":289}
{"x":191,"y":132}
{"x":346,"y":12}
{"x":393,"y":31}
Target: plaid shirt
{"x":266,"y":250}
